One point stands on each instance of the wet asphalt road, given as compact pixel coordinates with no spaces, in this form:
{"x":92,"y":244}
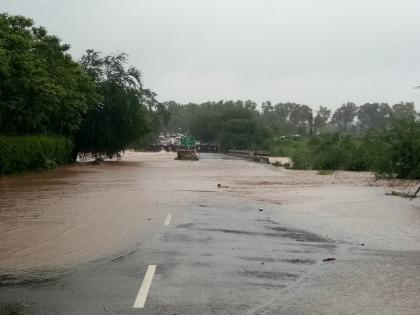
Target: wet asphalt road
{"x":221,"y":255}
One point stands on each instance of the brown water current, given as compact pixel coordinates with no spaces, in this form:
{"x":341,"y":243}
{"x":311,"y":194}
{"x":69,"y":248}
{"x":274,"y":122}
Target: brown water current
{"x":80,"y":213}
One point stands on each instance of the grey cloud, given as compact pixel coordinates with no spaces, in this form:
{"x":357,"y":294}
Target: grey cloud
{"x":315,"y":52}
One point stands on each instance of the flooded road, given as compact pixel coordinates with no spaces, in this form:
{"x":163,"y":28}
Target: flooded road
{"x":72,"y":215}
{"x":87,"y":227}
{"x":80,"y":213}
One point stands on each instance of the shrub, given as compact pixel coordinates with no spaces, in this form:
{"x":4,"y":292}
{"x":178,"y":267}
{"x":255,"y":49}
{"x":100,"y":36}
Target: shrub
{"x":394,"y":152}
{"x":22,"y":153}
{"x":335,"y":152}
{"x":301,"y":158}
{"x":285,"y":147}
{"x":400,"y":151}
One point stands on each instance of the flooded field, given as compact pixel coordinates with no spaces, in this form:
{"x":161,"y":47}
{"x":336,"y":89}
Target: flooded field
{"x":53,"y":221}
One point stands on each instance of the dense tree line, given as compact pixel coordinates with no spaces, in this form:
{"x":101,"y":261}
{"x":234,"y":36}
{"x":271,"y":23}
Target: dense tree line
{"x":208,"y":121}
{"x":372,"y":136}
{"x":98,"y":102}
{"x":229,"y":124}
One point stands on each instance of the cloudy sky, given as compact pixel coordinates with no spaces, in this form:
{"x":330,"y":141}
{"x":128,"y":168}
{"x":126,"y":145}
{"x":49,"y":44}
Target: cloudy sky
{"x":316,"y":52}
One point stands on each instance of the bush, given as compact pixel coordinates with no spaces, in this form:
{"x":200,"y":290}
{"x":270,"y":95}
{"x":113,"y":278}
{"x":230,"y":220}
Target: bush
{"x":302,"y":158}
{"x":18,"y":154}
{"x":335,"y":152}
{"x":285,"y":147}
{"x":400,"y":151}
{"x":392,"y":153}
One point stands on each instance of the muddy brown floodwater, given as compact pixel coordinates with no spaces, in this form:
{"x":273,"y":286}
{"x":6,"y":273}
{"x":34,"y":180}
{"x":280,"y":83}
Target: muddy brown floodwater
{"x":53,"y":220}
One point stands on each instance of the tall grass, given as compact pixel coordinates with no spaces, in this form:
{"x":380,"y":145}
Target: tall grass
{"x":23,"y":153}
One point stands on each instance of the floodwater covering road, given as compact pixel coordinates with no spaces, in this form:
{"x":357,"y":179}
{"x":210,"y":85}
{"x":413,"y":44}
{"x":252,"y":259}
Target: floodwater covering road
{"x":84,"y":239}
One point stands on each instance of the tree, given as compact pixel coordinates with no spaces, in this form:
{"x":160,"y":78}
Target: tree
{"x":287,"y":118}
{"x":373,"y":115}
{"x":344,"y":116}
{"x":42,"y":90}
{"x":266,"y":108}
{"x":321,"y":118}
{"x":400,"y":156}
{"x":242,"y":133}
{"x":122,"y":115}
{"x":403,"y":111}
{"x":207,"y":119}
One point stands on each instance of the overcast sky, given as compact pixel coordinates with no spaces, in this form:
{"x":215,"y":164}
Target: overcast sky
{"x":316,"y":52}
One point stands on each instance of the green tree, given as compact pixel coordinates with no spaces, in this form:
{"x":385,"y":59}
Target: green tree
{"x":122,"y":115}
{"x":42,"y":90}
{"x":208,"y":119}
{"x":344,"y":117}
{"x":239,"y":133}
{"x":403,"y":111}
{"x":400,"y":154}
{"x":321,"y":118}
{"x":373,"y":115}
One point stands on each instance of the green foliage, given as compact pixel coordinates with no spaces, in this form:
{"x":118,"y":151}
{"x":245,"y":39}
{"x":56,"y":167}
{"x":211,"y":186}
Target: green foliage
{"x":23,"y":153}
{"x":100,"y":102}
{"x":392,"y":153}
{"x":301,"y":158}
{"x":243,"y":134}
{"x":124,"y":112}
{"x":285,"y":147}
{"x":400,"y":154}
{"x":209,"y":122}
{"x":321,"y":118}
{"x":344,"y":117}
{"x":403,"y":111}
{"x":42,"y":90}
{"x":287,"y":118}
{"x":373,"y":115}
{"x":230,"y":124}
{"x":334,"y":152}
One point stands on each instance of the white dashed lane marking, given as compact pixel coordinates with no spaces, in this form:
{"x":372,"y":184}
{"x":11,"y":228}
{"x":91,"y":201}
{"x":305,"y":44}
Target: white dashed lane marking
{"x":168,"y":219}
{"x":145,"y":286}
